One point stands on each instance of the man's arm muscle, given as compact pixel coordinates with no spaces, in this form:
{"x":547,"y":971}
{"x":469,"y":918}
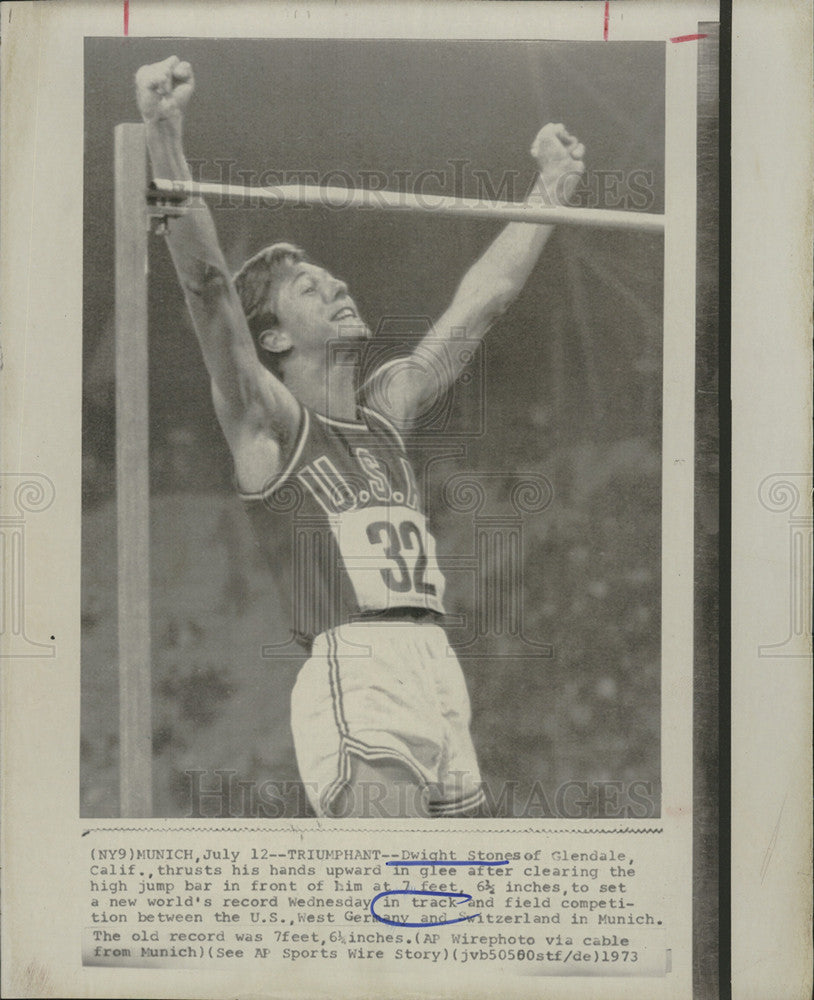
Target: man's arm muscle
{"x":487,"y":289}
{"x":249,"y":400}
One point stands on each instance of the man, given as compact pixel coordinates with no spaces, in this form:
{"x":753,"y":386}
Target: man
{"x":380,"y":711}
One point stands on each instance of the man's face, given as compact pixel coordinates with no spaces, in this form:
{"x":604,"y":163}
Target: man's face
{"x":313,"y":308}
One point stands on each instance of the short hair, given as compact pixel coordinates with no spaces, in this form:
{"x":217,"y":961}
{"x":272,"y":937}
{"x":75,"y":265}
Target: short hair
{"x":255,"y":283}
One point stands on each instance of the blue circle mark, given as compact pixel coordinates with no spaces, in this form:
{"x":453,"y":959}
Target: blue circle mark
{"x":462,"y":896}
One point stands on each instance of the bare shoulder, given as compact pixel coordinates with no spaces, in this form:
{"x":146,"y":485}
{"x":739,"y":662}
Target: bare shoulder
{"x":402,"y":388}
{"x":386,"y":390}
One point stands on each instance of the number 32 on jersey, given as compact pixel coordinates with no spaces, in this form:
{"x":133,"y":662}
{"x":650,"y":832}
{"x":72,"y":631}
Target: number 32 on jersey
{"x":389,"y":555}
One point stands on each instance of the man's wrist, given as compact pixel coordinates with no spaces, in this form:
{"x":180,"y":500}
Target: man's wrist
{"x":166,"y":149}
{"x":540,"y":193}
{"x":166,"y":128}
{"x":550,"y":192}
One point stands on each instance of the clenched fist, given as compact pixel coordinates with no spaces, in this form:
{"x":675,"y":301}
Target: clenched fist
{"x":163,"y":90}
{"x":559,"y":157}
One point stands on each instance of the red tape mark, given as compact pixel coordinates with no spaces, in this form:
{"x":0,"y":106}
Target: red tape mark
{"x":126,"y":16}
{"x":688,"y":38}
{"x":607,"y":19}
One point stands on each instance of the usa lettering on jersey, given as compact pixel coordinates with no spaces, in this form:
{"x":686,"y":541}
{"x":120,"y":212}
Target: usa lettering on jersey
{"x":384,"y":544}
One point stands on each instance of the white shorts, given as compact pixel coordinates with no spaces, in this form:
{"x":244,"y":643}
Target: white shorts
{"x":389,"y":691}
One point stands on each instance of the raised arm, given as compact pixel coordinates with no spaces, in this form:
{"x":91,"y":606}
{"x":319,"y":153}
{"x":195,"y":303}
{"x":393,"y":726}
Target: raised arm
{"x":487,"y":289}
{"x":257,"y":413}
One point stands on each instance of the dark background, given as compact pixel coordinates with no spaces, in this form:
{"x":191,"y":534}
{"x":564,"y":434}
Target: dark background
{"x":572,"y":392}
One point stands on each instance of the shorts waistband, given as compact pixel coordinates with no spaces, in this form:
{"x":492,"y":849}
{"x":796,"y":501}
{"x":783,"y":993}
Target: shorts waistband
{"x":404,"y":614}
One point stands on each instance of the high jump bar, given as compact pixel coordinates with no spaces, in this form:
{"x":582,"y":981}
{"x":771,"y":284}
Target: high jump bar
{"x":397,"y":201}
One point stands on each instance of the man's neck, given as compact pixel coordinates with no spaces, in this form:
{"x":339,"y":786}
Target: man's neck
{"x":328,"y":390}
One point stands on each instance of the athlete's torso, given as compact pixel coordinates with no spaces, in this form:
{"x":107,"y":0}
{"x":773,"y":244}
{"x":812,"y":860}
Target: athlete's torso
{"x":343,"y":525}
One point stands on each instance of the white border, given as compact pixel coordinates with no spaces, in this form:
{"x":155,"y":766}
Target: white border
{"x":42,"y":123}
